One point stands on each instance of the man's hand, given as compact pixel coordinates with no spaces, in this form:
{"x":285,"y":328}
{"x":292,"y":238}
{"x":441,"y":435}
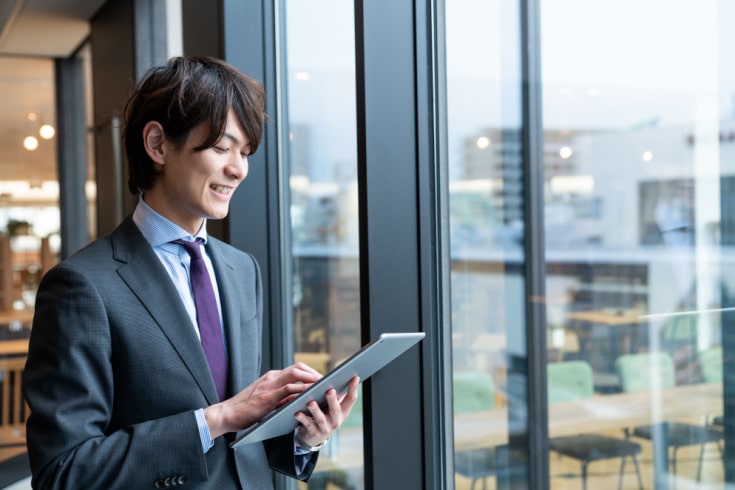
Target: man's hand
{"x":271,"y":390}
{"x":317,"y":426}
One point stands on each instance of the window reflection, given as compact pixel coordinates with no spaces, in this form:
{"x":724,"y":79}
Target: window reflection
{"x":319,"y":128}
{"x":486,"y":237}
{"x":636,"y":180}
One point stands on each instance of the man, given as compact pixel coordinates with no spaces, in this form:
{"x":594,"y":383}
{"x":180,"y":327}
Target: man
{"x":130,"y":385}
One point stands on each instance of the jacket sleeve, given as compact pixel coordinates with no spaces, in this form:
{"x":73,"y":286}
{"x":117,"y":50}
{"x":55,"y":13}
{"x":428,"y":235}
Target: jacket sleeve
{"x":281,"y":458}
{"x":69,"y":385}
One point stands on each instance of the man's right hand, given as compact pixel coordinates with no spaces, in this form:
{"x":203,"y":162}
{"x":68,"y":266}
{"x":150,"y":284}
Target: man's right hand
{"x":270,"y":391}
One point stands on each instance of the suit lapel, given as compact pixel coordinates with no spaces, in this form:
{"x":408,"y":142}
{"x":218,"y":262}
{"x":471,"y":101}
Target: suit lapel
{"x":143,"y":273}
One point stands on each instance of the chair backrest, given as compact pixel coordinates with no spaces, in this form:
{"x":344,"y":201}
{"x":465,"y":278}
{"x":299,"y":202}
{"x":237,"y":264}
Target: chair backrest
{"x":710,"y":364}
{"x":679,"y":329}
{"x":13,"y":406}
{"x":474,"y":391}
{"x":645,"y":371}
{"x":569,"y":380}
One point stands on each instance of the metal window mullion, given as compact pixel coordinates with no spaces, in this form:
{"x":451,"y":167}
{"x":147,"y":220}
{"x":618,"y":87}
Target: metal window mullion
{"x":535,"y":263}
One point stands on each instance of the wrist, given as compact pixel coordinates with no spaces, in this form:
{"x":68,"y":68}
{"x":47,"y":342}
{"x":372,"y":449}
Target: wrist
{"x":214,"y":417}
{"x":308,"y":447}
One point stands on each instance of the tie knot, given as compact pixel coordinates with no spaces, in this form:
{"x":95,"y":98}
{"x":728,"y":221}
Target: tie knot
{"x":192,"y":248}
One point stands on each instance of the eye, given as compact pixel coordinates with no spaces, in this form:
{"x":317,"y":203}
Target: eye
{"x":219,"y":149}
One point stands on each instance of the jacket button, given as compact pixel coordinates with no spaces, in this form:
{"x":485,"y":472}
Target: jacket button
{"x":167,"y":482}
{"x":159,"y":484}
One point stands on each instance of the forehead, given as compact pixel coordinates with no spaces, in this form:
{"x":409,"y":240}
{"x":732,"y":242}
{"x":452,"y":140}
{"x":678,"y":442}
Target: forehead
{"x":234,"y":130}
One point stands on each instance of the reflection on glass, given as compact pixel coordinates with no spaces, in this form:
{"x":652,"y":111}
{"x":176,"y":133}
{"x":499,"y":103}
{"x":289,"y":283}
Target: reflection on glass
{"x":320,"y":147}
{"x":486,"y":234}
{"x":638,"y":187}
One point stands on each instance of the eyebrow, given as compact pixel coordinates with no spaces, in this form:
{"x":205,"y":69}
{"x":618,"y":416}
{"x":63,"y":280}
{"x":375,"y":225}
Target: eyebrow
{"x":234,"y":139}
{"x":231,"y":137}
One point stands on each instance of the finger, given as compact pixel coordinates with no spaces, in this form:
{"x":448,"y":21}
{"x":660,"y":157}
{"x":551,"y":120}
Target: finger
{"x":311,"y":426}
{"x":334,"y":408}
{"x":291,"y":390}
{"x":317,"y":415}
{"x":304,"y":369}
{"x":349,"y":399}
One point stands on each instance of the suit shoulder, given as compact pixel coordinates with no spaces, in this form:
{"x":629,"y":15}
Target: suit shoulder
{"x":231,"y":252}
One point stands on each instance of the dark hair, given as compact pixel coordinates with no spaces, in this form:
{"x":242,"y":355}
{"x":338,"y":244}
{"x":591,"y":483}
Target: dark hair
{"x":181,"y":95}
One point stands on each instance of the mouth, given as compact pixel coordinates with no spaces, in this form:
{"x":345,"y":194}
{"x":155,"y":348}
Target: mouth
{"x":222,"y":189}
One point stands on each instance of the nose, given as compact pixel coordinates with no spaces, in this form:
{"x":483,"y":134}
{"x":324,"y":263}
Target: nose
{"x":238,"y":167}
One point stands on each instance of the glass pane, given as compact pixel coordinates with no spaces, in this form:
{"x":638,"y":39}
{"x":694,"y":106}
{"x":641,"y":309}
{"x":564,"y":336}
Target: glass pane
{"x":29,"y":218}
{"x":486,"y":235}
{"x":638,"y":125}
{"x":321,"y":156}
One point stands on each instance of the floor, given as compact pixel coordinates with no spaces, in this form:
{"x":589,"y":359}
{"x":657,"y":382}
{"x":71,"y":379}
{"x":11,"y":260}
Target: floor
{"x":565,"y":472}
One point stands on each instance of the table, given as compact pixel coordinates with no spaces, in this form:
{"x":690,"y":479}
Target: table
{"x":591,"y":415}
{"x":24,"y":317}
{"x":13,"y":347}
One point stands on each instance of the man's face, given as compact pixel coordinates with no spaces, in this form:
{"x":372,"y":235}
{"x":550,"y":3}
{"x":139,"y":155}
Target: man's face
{"x":199,"y":184}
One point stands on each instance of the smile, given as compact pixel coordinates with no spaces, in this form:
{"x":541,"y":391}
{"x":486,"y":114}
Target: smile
{"x":221,"y":188}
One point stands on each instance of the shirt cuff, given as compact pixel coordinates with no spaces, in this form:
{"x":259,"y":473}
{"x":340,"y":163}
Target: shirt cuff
{"x":204,"y":434}
{"x":298,"y":450}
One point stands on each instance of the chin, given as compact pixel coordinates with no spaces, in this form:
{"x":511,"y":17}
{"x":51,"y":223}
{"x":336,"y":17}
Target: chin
{"x":218,"y":215}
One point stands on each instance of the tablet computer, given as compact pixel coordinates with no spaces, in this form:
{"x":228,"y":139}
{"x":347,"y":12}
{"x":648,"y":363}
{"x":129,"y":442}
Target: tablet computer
{"x":363,"y":363}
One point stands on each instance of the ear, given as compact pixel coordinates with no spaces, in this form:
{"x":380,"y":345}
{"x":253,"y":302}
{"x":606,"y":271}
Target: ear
{"x":154,"y":140}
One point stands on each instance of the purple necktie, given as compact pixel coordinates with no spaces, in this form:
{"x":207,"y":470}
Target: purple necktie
{"x":210,"y":328}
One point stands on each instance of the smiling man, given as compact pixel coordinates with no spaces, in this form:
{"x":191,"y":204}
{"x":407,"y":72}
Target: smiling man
{"x":144,"y":357}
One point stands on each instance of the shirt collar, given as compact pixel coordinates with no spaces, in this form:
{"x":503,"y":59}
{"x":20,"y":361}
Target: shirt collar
{"x":158,"y":230}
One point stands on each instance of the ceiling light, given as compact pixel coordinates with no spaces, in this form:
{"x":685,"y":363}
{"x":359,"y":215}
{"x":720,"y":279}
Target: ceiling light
{"x":647,"y":156}
{"x":30,"y":143}
{"x":483,"y":142}
{"x":565,"y":152}
{"x":32,"y":116}
{"x":47,"y":131}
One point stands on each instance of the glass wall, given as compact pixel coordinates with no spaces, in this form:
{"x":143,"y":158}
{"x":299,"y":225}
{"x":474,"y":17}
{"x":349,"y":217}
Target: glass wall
{"x":29,"y":217}
{"x":486,"y":233}
{"x":318,"y":130}
{"x":638,"y":130}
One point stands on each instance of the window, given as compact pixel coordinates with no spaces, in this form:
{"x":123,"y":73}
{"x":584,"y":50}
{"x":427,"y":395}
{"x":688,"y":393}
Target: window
{"x":319,"y":129}
{"x":486,"y":235}
{"x":637,"y":130}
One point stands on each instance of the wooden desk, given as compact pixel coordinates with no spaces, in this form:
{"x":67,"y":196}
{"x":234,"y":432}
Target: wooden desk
{"x":13,"y":347}
{"x":610,"y":318}
{"x":24,"y":317}
{"x":597,"y":414}
{"x":592,"y":415}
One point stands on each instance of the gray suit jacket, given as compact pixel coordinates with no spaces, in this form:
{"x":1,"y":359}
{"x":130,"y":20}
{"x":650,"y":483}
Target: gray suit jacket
{"x":115,"y":371}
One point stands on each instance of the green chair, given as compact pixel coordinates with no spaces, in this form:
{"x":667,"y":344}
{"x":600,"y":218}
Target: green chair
{"x":655,"y":370}
{"x":474,"y":392}
{"x":573,"y":380}
{"x":710,"y":364}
